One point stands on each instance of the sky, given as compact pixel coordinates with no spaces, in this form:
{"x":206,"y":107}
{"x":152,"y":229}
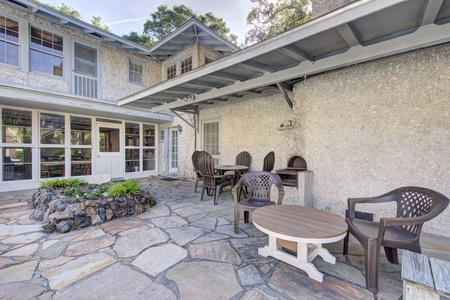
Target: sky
{"x":125,"y":16}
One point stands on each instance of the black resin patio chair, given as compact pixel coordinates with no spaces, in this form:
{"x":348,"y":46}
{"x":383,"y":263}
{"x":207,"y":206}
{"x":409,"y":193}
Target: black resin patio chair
{"x":269,"y":162}
{"x":259,"y":184}
{"x":415,"y":205}
{"x":211,"y":181}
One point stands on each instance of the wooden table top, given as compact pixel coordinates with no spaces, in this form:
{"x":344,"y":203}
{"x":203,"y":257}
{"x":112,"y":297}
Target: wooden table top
{"x":231,"y":167}
{"x":299,"y":221}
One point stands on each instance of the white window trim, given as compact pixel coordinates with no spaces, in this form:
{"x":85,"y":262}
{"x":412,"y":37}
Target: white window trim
{"x":71,"y":70}
{"x":177,"y":65}
{"x":27,"y":50}
{"x":140,"y":62}
{"x":19,"y":42}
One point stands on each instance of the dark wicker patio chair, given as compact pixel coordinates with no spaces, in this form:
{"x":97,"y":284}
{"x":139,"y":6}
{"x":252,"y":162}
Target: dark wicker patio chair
{"x":198,"y":174}
{"x":269,"y":162}
{"x":259,"y":184}
{"x":415,"y":205}
{"x":211,"y":181}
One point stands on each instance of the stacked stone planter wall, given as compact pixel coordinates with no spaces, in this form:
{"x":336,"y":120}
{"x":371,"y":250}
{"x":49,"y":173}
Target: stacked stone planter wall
{"x":62,"y":214}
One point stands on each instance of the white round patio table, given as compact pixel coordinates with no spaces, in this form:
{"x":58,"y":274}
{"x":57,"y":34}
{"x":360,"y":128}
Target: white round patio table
{"x":308,"y":227}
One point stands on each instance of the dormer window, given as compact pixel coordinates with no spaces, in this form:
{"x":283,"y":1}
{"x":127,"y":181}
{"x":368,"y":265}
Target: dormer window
{"x":171,"y":71}
{"x":208,"y":60}
{"x":9,"y":41}
{"x":186,"y":65}
{"x":179,"y":68}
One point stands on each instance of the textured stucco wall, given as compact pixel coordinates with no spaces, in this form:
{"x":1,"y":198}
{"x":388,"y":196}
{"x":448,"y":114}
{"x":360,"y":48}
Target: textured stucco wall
{"x":374,"y":127}
{"x":363,"y":131}
{"x":114,"y":62}
{"x":115,"y":72}
{"x":187,"y":138}
{"x":321,"y":7}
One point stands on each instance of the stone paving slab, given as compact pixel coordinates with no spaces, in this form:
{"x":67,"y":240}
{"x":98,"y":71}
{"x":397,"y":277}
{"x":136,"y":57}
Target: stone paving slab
{"x":157,"y":259}
{"x":115,"y":282}
{"x":74,"y":270}
{"x":21,"y":290}
{"x":216,"y":251}
{"x":91,"y":245}
{"x":7,"y":231}
{"x":133,"y":244}
{"x":19,"y":272}
{"x":205,"y":280}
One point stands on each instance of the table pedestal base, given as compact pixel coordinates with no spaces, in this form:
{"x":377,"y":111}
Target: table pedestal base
{"x":306,"y":253}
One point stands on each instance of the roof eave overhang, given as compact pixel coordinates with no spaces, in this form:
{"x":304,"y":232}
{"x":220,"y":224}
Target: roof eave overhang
{"x":20,"y":96}
{"x":427,"y":34}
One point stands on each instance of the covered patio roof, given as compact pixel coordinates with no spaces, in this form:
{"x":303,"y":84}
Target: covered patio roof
{"x":359,"y":32}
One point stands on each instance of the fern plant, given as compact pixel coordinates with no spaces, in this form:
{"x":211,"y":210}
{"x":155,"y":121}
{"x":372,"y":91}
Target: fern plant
{"x":128,"y":187}
{"x":63,"y":183}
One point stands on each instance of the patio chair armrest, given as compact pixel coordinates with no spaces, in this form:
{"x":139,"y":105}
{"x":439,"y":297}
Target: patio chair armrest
{"x":351,"y":202}
{"x":235,"y":191}
{"x":404,"y":221}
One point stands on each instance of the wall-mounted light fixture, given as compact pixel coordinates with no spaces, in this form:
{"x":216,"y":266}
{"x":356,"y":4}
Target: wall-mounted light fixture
{"x":180,"y":129}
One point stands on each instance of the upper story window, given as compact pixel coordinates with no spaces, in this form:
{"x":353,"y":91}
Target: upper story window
{"x":9,"y":41}
{"x":136,"y":71}
{"x":186,"y":65}
{"x":171,"y":71}
{"x":46,"y":52}
{"x":208,"y":60}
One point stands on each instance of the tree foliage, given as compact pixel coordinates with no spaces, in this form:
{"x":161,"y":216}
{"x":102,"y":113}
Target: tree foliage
{"x":69,"y":10}
{"x":66,"y":9}
{"x":97,"y":22}
{"x":165,"y":20}
{"x":137,"y":38}
{"x":270,"y":18}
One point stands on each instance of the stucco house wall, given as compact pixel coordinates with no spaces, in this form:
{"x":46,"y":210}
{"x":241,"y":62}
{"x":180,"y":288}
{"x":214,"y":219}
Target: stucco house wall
{"x":363,"y":131}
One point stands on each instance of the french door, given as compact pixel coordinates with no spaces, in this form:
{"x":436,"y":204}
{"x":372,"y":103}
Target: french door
{"x":173,"y":151}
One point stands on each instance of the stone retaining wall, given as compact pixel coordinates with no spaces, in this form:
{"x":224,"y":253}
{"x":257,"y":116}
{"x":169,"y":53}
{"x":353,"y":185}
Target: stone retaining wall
{"x":63,"y":214}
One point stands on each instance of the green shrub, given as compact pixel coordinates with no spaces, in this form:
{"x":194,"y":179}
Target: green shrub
{"x":63,"y":183}
{"x":128,"y":187}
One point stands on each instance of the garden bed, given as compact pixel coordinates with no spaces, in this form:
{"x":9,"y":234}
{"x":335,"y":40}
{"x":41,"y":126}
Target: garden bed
{"x":67,"y":204}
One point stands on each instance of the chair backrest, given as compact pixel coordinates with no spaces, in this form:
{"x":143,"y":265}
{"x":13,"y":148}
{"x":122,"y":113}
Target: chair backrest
{"x":195,"y":159}
{"x":260,"y":184}
{"x":418,"y":202}
{"x":269,"y":162}
{"x":244,"y":159}
{"x":206,"y":167}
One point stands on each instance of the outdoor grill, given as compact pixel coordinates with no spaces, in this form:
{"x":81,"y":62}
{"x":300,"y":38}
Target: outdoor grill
{"x":289,"y":176}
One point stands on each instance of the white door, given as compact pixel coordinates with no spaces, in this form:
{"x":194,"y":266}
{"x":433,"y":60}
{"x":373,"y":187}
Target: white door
{"x":110,"y":157}
{"x":211,"y":140}
{"x":173,"y":150}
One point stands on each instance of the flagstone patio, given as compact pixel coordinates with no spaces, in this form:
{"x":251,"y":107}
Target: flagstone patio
{"x":182,"y":248}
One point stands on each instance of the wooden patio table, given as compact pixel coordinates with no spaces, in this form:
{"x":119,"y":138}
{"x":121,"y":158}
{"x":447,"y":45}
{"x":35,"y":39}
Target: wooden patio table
{"x":236,"y":168}
{"x":308,"y":227}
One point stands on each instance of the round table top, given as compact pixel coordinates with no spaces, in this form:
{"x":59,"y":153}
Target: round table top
{"x":230,"y":167}
{"x":299,"y":221}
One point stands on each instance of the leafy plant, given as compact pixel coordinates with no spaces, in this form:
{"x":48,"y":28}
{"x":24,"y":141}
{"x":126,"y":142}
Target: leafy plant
{"x":128,"y":187}
{"x":63,"y":183}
